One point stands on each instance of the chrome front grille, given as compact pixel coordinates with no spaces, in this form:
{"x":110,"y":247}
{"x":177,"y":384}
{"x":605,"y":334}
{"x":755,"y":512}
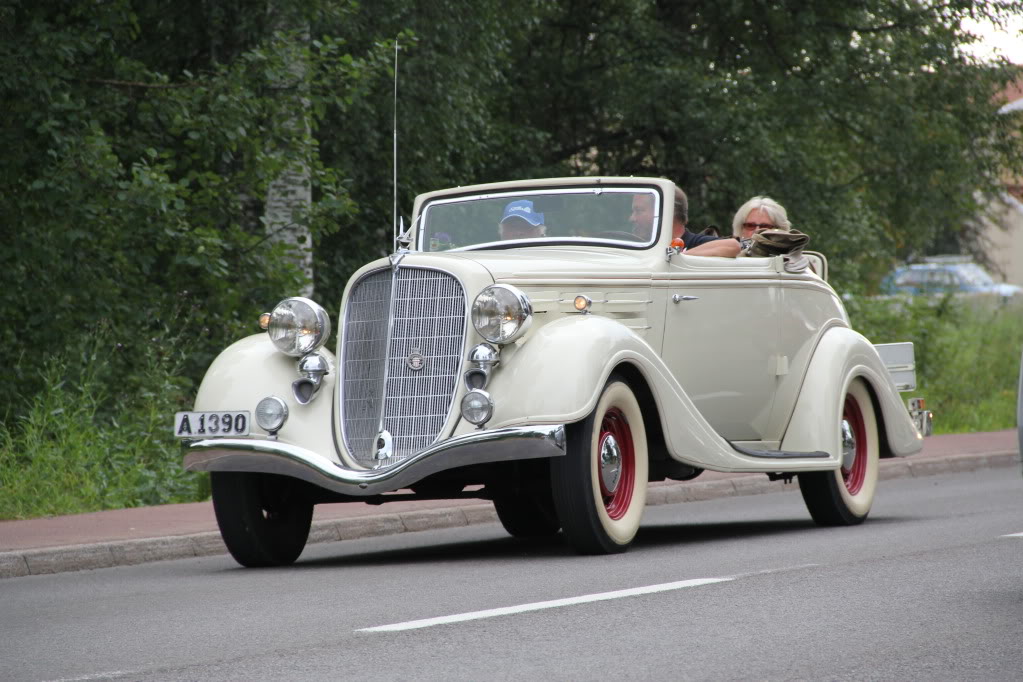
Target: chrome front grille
{"x":390,"y":320}
{"x":364,"y":354}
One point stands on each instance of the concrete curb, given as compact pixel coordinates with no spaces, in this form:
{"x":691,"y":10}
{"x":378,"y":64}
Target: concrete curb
{"x":130,"y":552}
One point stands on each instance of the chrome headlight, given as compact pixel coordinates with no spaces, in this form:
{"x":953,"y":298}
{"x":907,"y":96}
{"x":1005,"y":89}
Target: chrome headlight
{"x":501,"y":313}
{"x":298,"y":326}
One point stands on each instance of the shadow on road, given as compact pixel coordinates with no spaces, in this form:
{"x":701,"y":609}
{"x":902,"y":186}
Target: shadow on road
{"x":499,"y":549}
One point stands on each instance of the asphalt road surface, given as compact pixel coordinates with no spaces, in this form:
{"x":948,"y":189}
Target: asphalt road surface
{"x":929,"y":588}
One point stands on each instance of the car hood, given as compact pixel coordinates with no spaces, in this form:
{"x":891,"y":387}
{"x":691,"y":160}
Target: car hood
{"x":531,"y":267}
{"x":554,"y":263}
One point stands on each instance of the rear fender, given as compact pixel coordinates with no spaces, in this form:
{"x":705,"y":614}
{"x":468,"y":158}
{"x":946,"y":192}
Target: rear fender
{"x":841,"y":356}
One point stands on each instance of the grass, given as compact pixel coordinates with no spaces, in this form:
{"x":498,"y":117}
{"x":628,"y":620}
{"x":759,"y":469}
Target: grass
{"x":967,"y":355}
{"x":81,"y":446}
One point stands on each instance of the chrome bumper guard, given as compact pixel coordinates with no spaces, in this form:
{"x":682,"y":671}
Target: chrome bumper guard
{"x":269,"y":456}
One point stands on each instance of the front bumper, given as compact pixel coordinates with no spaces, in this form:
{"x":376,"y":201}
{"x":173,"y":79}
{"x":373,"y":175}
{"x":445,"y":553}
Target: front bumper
{"x":479,"y":447}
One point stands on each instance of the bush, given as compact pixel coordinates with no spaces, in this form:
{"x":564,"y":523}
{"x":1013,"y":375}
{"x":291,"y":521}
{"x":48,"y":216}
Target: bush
{"x":84,"y":446}
{"x":967,"y":354}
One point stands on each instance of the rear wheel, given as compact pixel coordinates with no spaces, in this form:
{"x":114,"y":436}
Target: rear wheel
{"x":844,"y":497}
{"x":263,"y":518}
{"x":600,"y":484}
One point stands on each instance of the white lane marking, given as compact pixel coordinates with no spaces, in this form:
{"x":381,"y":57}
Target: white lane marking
{"x":1013,"y":535}
{"x":784,"y":569}
{"x":540,"y":605}
{"x":97,"y":676}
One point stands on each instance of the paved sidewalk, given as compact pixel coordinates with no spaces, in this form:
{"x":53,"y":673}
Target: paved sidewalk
{"x":133,"y":536}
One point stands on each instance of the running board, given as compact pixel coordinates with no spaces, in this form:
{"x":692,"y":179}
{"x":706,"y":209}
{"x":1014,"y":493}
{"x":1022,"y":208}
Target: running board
{"x":776,"y":454}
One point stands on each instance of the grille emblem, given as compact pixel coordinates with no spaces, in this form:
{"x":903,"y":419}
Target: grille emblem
{"x":415,"y":361}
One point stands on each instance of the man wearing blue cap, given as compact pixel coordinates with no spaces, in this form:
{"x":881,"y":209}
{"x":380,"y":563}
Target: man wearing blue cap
{"x":520,"y":221}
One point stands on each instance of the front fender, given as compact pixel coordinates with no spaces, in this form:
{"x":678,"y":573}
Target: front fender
{"x":841,"y":356}
{"x":251,"y":369}
{"x":556,"y":375}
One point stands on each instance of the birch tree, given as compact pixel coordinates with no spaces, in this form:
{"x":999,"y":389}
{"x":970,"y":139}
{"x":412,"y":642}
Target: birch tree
{"x":289,"y":195}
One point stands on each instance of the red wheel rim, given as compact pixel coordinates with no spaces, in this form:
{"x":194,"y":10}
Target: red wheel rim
{"x":854,"y":476}
{"x":614,"y":425}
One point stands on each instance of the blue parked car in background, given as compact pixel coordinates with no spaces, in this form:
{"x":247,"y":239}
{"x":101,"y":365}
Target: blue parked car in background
{"x":945,"y":275}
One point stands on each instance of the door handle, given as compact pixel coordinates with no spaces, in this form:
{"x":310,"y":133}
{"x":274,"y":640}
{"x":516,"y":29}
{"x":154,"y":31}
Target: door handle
{"x":678,"y":298}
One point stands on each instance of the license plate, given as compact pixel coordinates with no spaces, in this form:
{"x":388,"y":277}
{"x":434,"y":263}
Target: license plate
{"x":211,"y":424}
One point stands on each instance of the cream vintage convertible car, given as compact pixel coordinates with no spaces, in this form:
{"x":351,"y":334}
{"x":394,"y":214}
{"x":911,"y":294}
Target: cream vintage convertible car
{"x":555,"y":368}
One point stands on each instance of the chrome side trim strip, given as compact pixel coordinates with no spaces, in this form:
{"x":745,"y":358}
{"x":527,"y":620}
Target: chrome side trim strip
{"x":246,"y":454}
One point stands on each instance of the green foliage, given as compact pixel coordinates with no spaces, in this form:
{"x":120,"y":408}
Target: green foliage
{"x":83,"y":446}
{"x":967,"y":354}
{"x":864,"y":119}
{"x":452,"y":67}
{"x":140,"y":139}
{"x":134,"y":177}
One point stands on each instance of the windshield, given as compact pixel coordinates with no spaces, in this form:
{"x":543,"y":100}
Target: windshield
{"x":620,"y":216}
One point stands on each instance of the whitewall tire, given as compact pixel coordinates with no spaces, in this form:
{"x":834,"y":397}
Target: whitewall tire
{"x":600,"y":484}
{"x":844,"y":497}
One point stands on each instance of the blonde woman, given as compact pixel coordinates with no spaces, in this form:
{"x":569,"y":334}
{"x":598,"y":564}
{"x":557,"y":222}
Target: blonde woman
{"x":759,"y":213}
{"x":765,"y":215}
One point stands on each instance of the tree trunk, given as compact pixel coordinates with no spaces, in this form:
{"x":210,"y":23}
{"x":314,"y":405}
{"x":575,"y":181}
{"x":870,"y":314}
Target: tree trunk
{"x":290,"y":194}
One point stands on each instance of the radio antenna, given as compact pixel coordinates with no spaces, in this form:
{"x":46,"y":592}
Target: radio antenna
{"x":394,"y":215}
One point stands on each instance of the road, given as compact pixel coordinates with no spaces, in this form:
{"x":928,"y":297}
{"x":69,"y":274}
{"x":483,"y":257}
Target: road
{"x":930,"y":588}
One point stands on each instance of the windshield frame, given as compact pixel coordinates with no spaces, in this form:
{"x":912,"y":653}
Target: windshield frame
{"x":507,"y":195}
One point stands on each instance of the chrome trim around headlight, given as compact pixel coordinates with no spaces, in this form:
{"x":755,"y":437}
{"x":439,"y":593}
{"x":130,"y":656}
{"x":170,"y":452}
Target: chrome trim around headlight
{"x":525,"y":316}
{"x":478,"y":447}
{"x":320,"y":332}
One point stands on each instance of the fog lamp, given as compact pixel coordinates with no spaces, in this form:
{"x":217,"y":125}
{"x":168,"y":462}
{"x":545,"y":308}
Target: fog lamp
{"x":271,"y":413}
{"x":477,"y":407}
{"x":582,"y":303}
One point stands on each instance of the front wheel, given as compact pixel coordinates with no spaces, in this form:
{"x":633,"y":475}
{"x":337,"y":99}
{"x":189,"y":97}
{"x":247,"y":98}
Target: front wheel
{"x":263,"y":518}
{"x":600,"y":484}
{"x":528,"y":514}
{"x":844,"y":497}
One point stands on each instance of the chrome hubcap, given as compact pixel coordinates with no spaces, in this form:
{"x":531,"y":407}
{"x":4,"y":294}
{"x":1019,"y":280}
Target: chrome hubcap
{"x":610,"y":463}
{"x":848,"y":445}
